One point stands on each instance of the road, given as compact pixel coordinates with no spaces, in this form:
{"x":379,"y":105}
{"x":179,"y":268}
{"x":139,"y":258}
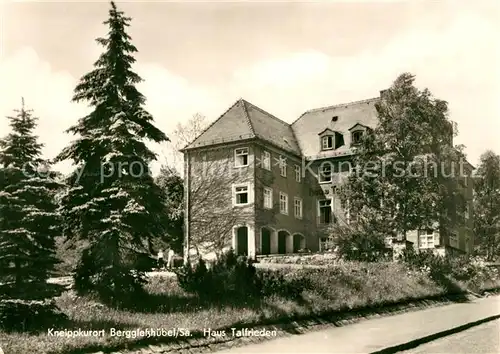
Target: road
{"x":385,"y":332}
{"x":483,"y":339}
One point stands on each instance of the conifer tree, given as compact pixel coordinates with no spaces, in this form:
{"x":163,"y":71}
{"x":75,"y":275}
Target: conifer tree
{"x":112,"y":200}
{"x":28,"y":214}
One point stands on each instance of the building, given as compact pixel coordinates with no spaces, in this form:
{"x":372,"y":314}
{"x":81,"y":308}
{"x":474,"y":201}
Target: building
{"x":273,"y":200}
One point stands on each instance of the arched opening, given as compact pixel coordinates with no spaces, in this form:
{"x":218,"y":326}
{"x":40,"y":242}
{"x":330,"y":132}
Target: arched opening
{"x":242,"y":240}
{"x":299,"y":243}
{"x":282,"y":237}
{"x":265,"y":241}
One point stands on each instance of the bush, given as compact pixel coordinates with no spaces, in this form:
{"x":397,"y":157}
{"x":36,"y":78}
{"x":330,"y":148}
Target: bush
{"x":19,"y":316}
{"x":230,"y":276}
{"x":355,"y":243}
{"x":427,"y":262}
{"x":472,"y":273}
{"x":117,"y":286}
{"x":194,"y":279}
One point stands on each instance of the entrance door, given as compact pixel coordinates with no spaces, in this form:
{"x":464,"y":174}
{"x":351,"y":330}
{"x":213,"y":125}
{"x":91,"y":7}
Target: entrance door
{"x":297,"y":240}
{"x":282,"y":242}
{"x":266,"y":241}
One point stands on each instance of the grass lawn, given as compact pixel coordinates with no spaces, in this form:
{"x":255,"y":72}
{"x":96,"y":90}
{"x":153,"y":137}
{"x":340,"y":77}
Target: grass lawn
{"x":340,"y":288}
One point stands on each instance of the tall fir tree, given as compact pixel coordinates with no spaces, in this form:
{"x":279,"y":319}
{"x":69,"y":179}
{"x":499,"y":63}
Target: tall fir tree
{"x":112,"y":200}
{"x":28,"y":214}
{"x":407,"y":171}
{"x":487,"y":206}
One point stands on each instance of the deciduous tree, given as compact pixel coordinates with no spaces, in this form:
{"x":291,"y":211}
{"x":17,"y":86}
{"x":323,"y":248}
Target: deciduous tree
{"x":406,"y":170}
{"x":487,"y":206}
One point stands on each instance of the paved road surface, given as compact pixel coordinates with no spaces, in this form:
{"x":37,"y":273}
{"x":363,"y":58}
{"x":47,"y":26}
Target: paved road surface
{"x":483,"y":339}
{"x":377,"y":334}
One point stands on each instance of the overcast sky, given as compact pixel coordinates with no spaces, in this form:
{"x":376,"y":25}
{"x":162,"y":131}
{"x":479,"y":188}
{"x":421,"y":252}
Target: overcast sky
{"x":285,"y":57}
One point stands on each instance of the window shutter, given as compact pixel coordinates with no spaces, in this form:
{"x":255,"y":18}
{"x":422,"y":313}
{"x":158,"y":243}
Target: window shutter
{"x":436,"y":238}
{"x":251,"y":193}
{"x":234,"y":195}
{"x":339,"y":140}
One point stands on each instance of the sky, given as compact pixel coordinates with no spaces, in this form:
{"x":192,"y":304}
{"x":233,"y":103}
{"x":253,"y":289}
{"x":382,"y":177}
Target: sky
{"x":285,"y":57}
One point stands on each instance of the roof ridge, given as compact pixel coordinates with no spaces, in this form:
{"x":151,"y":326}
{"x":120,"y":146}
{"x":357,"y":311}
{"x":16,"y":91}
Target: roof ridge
{"x":336,"y":106}
{"x":210,"y":125}
{"x":245,"y":110}
{"x":267,"y":113}
{"x":288,"y":125}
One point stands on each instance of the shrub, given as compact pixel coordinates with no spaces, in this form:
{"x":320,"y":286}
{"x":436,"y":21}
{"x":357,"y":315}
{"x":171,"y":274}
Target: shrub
{"x":194,"y":279}
{"x":427,"y":262}
{"x":117,"y":286}
{"x":454,"y":273}
{"x":355,"y":243}
{"x":474,"y":271}
{"x":20,"y":316}
{"x":230,"y":276}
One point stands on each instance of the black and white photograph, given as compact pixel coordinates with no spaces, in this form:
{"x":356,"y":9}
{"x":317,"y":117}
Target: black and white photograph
{"x":250,"y":177}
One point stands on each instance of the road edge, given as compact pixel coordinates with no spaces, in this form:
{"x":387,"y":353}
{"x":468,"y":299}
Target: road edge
{"x":201,"y":344}
{"x":432,"y":337}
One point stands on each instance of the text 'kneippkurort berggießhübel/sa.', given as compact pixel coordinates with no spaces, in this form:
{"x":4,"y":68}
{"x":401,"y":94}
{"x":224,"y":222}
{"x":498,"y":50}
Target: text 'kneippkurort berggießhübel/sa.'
{"x":161,"y":332}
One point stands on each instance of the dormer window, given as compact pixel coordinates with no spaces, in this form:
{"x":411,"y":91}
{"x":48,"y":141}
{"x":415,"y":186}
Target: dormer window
{"x":327,"y":142}
{"x":330,"y":139}
{"x":356,"y":137}
{"x":357,"y":133}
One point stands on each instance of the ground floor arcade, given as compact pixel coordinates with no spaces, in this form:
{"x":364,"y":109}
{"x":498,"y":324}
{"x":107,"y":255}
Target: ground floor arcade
{"x":266,"y":240}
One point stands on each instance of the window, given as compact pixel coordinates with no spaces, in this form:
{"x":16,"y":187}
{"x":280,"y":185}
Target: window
{"x":241,"y":157}
{"x":241,"y":195}
{"x":297,"y":204}
{"x":467,"y":211}
{"x":282,"y":163}
{"x":325,"y":172}
{"x":268,"y":198}
{"x":426,"y":239}
{"x":325,"y":211}
{"x":283,"y":203}
{"x":297,"y":173}
{"x":356,"y":137}
{"x":327,"y":142}
{"x":266,"y":160}
{"x":345,"y":166}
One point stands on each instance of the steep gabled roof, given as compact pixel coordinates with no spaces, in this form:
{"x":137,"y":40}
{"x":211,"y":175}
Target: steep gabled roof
{"x":357,"y":125}
{"x":311,"y":123}
{"x":326,"y":130}
{"x":244,"y":120}
{"x":232,"y":125}
{"x":271,"y":129}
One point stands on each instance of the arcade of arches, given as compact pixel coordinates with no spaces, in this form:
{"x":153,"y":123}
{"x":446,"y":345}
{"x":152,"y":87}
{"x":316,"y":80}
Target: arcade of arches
{"x":267,"y":241}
